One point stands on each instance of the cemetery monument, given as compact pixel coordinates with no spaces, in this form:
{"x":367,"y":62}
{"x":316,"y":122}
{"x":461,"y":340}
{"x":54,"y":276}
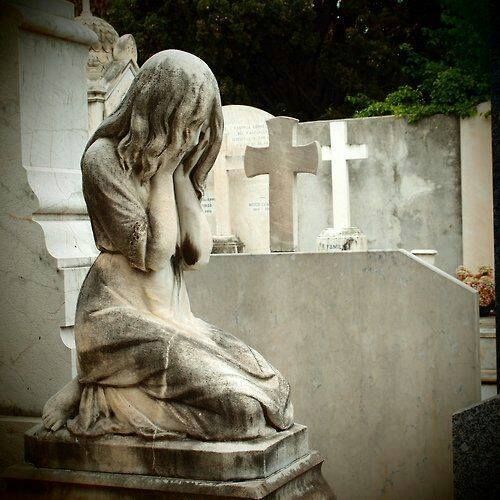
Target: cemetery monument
{"x":239,"y":205}
{"x":111,"y":67}
{"x":343,"y":236}
{"x":160,"y":392}
{"x":282,"y":160}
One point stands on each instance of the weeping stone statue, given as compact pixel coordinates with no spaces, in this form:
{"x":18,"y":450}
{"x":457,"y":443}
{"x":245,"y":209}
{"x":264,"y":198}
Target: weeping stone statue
{"x":147,"y":366}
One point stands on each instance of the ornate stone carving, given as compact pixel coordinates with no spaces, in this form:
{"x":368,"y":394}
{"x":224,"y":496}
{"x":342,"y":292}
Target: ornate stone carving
{"x":147,"y":365}
{"x":111,"y":66}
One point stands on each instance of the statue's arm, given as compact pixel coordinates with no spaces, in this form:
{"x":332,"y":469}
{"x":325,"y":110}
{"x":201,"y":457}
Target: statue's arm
{"x":195,"y":234}
{"x":163,"y":224}
{"x":147,"y":236}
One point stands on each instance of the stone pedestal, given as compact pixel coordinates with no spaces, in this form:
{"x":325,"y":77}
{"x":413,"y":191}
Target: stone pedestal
{"x":122,"y":467}
{"x":349,"y":239}
{"x":487,"y":349}
{"x":227,"y":244}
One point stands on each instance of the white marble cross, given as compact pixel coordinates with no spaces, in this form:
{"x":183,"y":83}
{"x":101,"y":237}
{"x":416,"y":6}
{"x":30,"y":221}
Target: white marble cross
{"x":339,"y":152}
{"x":282,"y":160}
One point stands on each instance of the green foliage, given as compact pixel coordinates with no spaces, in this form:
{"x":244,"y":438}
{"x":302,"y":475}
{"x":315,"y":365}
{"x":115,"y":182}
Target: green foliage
{"x":294,"y":57}
{"x":450,"y":75}
{"x":302,"y":58}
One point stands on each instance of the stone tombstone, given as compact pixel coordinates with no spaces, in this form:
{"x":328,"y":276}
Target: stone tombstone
{"x":162,"y":399}
{"x":215,"y":204}
{"x":342,"y":237}
{"x":45,"y":237}
{"x":281,"y":161}
{"x":111,"y":67}
{"x":241,"y":204}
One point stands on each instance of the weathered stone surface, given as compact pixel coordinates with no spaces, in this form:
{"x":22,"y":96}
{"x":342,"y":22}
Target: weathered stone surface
{"x":426,"y":254}
{"x":300,"y":480}
{"x":487,"y":349}
{"x":12,"y":431}
{"x":227,"y":244}
{"x":476,"y":171}
{"x":348,"y":239}
{"x":476,"y":451}
{"x":111,"y":67}
{"x":181,"y":458}
{"x":282,"y":160}
{"x":380,"y":350}
{"x":46,"y":240}
{"x":406,"y":194}
{"x":147,"y":366}
{"x":338,"y":153}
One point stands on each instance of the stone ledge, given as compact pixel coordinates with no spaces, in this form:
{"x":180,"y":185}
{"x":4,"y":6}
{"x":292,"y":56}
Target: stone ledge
{"x":179,"y":458}
{"x":301,"y":479}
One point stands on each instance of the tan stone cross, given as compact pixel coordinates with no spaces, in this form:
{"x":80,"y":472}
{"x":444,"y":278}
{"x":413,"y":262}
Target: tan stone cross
{"x":282,"y":160}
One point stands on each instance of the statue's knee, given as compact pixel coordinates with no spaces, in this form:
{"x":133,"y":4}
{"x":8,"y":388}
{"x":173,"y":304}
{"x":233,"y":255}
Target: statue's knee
{"x":244,"y":407}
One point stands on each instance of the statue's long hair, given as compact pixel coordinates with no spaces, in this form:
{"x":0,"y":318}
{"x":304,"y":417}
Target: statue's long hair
{"x":172,"y":89}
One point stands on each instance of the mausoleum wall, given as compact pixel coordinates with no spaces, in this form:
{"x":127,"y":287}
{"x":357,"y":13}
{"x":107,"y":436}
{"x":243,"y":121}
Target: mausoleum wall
{"x":405,"y":194}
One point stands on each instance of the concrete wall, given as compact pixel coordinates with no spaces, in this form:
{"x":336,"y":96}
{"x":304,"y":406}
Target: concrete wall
{"x":380,"y":350}
{"x":477,"y":189}
{"x":406,"y":194}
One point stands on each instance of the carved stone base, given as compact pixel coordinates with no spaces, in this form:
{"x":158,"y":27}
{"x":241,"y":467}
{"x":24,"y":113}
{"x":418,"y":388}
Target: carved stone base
{"x":349,"y":239}
{"x":180,"y":458}
{"x":227,"y":244}
{"x":62,"y":466}
{"x":300,"y":480}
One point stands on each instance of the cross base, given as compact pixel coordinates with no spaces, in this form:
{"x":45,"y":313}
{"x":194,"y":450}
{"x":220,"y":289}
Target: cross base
{"x":227,"y":244}
{"x":348,"y":239}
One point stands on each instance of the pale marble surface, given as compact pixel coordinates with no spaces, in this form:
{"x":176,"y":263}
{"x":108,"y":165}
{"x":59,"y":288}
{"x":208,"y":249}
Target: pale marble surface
{"x":477,"y":189}
{"x":236,"y":204}
{"x":146,"y":365}
{"x":43,"y":226}
{"x":380,"y":350}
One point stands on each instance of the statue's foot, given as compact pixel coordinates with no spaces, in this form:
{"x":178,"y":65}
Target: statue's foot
{"x":61,"y":406}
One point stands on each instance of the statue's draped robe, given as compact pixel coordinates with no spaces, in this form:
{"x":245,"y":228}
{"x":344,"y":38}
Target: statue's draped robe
{"x":147,"y":365}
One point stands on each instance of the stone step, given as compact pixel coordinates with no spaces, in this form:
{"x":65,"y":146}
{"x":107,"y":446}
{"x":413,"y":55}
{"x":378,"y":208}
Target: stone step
{"x":179,"y":458}
{"x":300,"y":480}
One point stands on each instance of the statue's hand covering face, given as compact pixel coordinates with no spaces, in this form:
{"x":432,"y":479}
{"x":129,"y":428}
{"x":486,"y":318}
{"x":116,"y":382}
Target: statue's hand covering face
{"x":171,"y":104}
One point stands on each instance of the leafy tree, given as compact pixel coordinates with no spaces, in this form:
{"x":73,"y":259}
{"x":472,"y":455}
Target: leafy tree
{"x":302,"y":58}
{"x":449,"y":75}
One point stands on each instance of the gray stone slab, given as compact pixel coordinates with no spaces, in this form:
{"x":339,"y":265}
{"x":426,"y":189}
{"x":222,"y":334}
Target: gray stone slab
{"x":302,"y":479}
{"x":380,"y":351}
{"x":180,"y":458}
{"x":476,"y":451}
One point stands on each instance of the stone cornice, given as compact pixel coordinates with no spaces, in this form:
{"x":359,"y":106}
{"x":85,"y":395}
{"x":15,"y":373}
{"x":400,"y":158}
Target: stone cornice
{"x":52,"y":25}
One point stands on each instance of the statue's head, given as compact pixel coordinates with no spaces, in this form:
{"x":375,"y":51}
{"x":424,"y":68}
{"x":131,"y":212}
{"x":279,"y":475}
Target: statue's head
{"x":172,"y":89}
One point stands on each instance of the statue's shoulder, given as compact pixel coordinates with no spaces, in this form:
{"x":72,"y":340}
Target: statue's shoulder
{"x":100,"y":156}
